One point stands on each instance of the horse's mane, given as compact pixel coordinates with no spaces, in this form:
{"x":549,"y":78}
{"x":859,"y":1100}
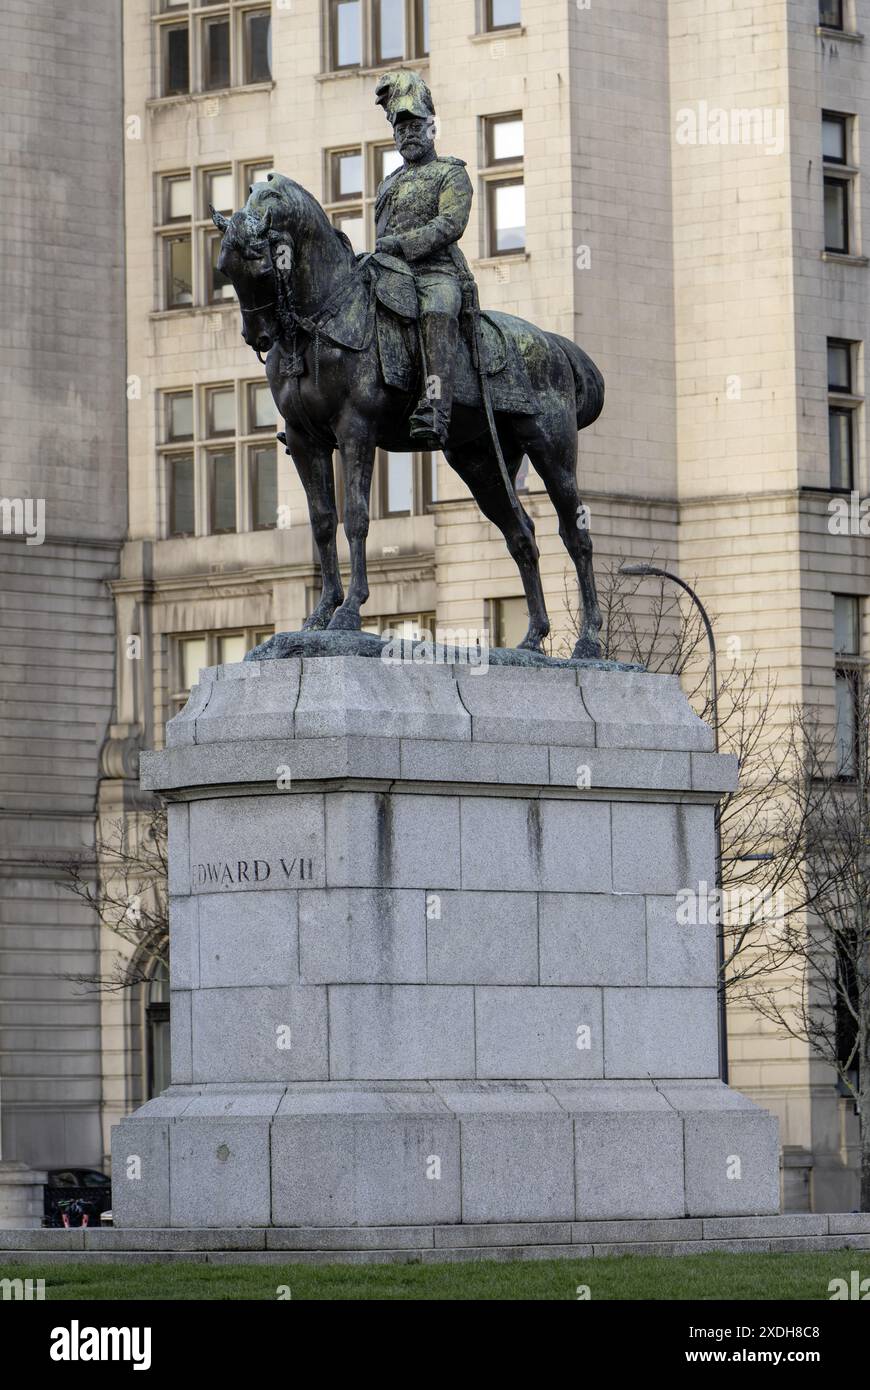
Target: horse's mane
{"x":289,"y":202}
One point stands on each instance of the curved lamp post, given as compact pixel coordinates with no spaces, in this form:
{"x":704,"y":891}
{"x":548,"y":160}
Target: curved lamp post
{"x":648,"y":571}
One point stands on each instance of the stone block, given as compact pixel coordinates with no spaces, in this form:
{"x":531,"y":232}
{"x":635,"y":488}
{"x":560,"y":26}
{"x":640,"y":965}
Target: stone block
{"x":362,"y":936}
{"x":514,"y":705}
{"x":184,"y":942}
{"x":402,"y":1031}
{"x":678,"y":954}
{"x":260,"y":1034}
{"x":483,"y":938}
{"x":732,"y":1162}
{"x":254,"y":707}
{"x":642,"y":710}
{"x":349,"y":1237}
{"x":522,"y":1233}
{"x":181,"y":1035}
{"x":592,"y":939}
{"x":660,"y":1033}
{"x":248,"y":939}
{"x":517,"y":1167}
{"x":538,"y":1032}
{"x":384,"y":840}
{"x":662,"y":848}
{"x":476,"y":762}
{"x":628,"y":1164}
{"x":365,"y":696}
{"x":532,"y":844}
{"x":602,"y":768}
{"x":178,"y":847}
{"x":365,"y":1170}
{"x":140,"y":1173}
{"x":257,"y":843}
{"x":219,"y":1172}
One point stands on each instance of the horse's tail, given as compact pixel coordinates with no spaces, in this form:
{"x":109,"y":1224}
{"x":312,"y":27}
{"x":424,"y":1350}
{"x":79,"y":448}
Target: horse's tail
{"x":588,"y":381}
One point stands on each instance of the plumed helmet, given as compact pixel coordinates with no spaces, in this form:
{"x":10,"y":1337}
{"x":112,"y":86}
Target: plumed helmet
{"x":404,"y":93}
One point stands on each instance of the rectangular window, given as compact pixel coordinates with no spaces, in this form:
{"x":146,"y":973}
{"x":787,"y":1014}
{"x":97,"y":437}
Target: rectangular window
{"x":263,"y":468}
{"x":178,"y":198}
{"x":219,"y":190}
{"x":422,"y":28}
{"x":389,"y":18}
{"x":839,"y":366}
{"x":841,"y":447}
{"x":354,"y":227}
{"x":397,"y":474}
{"x":507,"y":217}
{"x":261,"y":407}
{"x":231,"y":646}
{"x":831,"y":14}
{"x":505,"y":140}
{"x":837,"y":215}
{"x":258,"y":46}
{"x":834,"y":139}
{"x":346,"y":175}
{"x":345,"y":24}
{"x":510,"y":621}
{"x":179,"y":416}
{"x":215,"y":54}
{"x":178,"y":272}
{"x":847,"y":677}
{"x":222,"y":491}
{"x":387,"y":161}
{"x":220,"y":411}
{"x":219,"y":286}
{"x":175,"y":40}
{"x":181,"y":495}
{"x":502,"y":14}
{"x":192,"y":659}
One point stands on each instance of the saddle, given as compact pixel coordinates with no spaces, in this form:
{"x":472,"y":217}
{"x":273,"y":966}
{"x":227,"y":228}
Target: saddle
{"x":382,"y":302}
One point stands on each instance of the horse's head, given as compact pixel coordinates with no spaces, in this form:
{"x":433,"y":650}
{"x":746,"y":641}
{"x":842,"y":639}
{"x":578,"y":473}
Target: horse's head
{"x":253,"y":257}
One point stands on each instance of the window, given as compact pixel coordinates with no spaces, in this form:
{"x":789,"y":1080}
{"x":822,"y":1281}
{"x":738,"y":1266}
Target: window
{"x":190,"y":654}
{"x":838,"y":183}
{"x":352,"y":179}
{"x":843,"y":407}
{"x":847,"y":676}
{"x":189,"y":243}
{"x":408,"y":627}
{"x":219,"y":459}
{"x":504,"y":148}
{"x":158,"y":1058}
{"x":508,"y":621}
{"x":831,"y":14}
{"x":406,"y":484}
{"x":502,"y":14}
{"x":376,"y":33}
{"x":210,"y":52}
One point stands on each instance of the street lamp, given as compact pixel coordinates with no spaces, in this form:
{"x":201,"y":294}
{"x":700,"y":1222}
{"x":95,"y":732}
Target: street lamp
{"x":650,"y":571}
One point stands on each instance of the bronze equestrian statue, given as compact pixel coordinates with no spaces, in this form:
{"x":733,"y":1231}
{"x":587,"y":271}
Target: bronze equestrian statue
{"x":391,"y":351}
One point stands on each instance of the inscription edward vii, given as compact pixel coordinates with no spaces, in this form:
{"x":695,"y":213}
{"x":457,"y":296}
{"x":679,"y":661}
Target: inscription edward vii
{"x":224,"y":874}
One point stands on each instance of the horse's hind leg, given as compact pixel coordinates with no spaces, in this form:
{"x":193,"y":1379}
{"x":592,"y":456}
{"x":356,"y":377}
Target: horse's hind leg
{"x":477,"y":465}
{"x":315,"y":468}
{"x":556,"y":462}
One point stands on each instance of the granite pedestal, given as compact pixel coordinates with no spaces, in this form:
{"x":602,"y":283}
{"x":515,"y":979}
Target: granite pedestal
{"x":425,"y":960}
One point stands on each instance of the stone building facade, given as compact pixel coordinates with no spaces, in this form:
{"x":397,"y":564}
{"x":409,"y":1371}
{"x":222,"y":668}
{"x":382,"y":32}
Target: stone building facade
{"x":675,"y":187}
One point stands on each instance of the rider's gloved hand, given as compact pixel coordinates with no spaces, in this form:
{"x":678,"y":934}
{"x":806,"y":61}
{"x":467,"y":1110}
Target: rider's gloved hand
{"x":389,"y":245}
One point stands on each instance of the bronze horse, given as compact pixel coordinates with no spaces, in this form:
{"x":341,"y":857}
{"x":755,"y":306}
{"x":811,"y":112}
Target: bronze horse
{"x":290,"y":268}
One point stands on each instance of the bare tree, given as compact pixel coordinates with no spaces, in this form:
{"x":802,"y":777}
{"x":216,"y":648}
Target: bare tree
{"x":128,"y":895}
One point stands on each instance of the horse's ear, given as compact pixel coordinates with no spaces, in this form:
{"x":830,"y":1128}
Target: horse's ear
{"x":218,"y":219}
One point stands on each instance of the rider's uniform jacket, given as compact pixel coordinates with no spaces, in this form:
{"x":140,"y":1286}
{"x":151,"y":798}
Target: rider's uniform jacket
{"x":427,"y":206}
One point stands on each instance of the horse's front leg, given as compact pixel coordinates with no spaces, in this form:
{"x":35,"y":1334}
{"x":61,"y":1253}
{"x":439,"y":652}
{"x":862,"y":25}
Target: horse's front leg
{"x":358,"y":461}
{"x":315,"y":468}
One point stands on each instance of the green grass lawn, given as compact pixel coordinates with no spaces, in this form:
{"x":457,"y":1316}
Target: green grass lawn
{"x":693,"y":1277}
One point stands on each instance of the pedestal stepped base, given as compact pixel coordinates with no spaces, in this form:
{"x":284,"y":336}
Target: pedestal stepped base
{"x":21,"y":1196}
{"x":426,"y":966}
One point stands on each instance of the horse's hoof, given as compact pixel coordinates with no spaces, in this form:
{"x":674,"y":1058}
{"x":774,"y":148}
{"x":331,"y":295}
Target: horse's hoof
{"x":318,"y":621}
{"x":587,"y":649}
{"x":530,"y":644}
{"x":345,"y":620}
